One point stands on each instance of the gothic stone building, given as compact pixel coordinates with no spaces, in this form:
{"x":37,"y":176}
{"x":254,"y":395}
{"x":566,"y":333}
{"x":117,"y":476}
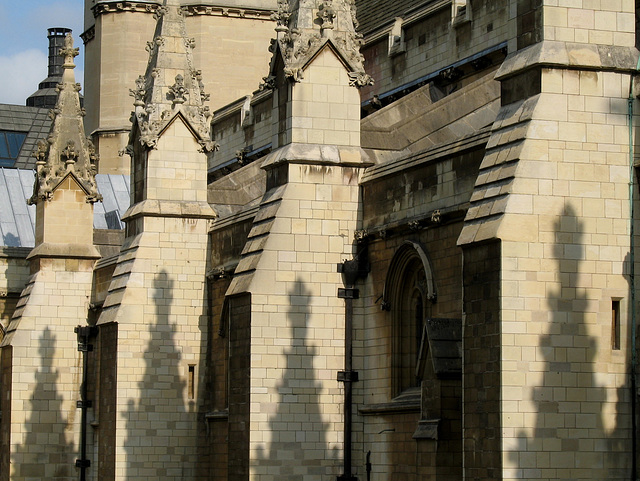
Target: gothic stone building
{"x":360,"y":240}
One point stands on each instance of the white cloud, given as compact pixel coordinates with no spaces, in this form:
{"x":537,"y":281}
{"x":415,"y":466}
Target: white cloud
{"x":21,"y":74}
{"x":24,"y":25}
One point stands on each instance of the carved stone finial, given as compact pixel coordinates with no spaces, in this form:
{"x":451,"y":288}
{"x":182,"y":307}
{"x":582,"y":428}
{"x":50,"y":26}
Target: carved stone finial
{"x":139,"y":93}
{"x":170,"y":83}
{"x":282,"y":16}
{"x":69,"y":52}
{"x":178,"y":91}
{"x":326,"y":14}
{"x":69,"y":154}
{"x":66,"y":150}
{"x":40,"y":153}
{"x":307,"y":26}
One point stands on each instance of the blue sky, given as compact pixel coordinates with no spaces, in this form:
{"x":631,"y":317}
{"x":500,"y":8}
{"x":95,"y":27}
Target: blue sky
{"x":23,"y":43}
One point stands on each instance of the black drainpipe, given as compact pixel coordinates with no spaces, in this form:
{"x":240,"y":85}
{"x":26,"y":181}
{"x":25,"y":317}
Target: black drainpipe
{"x":84,"y":333}
{"x":350,"y":270}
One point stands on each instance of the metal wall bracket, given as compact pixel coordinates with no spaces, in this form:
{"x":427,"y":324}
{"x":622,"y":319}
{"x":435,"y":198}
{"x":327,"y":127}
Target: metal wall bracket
{"x":348,"y":376}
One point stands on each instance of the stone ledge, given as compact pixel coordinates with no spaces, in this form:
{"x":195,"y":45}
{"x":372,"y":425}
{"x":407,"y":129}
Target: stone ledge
{"x":72,"y":251}
{"x":407,"y":402}
{"x":433,"y":154}
{"x":167,"y":208}
{"x":15,"y":252}
{"x":569,"y":55}
{"x":107,"y":261}
{"x":317,"y":154}
{"x":217,"y":415}
{"x":390,"y":408}
{"x":427,"y":429}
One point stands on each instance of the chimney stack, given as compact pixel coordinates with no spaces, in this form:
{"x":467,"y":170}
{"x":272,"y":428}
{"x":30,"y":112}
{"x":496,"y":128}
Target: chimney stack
{"x":46,"y":95}
{"x":56,"y":42}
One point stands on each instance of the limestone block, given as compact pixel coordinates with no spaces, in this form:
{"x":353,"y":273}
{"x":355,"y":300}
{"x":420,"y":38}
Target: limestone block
{"x":582,"y":18}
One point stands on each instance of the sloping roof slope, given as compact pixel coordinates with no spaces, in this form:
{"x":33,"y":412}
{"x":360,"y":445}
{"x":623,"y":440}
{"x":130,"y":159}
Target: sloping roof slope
{"x":373,"y":14}
{"x":115,"y":191}
{"x":417,"y":122}
{"x":17,"y":219}
{"x":35,"y":122}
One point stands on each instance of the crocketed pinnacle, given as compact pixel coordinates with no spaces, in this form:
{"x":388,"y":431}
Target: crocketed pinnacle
{"x":171,"y":84}
{"x":306,"y":26}
{"x":66,"y":151}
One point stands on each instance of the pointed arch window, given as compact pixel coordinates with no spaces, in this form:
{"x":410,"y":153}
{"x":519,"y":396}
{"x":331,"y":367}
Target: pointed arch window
{"x":409,"y":295}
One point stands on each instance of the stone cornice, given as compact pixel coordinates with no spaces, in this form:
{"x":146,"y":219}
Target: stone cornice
{"x":116,"y":6}
{"x":120,"y":6}
{"x":223,"y":11}
{"x":88,"y":35}
{"x":570,"y":55}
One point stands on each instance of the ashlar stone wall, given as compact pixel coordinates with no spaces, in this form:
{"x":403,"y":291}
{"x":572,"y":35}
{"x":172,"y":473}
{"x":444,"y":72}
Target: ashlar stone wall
{"x":14,"y":274}
{"x":321,"y":108}
{"x":297,"y":327}
{"x":565,"y":393}
{"x":434,"y":42}
{"x":157,"y":299}
{"x":42,"y":422}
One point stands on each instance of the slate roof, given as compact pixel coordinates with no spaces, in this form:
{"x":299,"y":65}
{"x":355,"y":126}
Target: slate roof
{"x":32,"y":120}
{"x":373,"y":14}
{"x":115,"y":192}
{"x":17,"y":219}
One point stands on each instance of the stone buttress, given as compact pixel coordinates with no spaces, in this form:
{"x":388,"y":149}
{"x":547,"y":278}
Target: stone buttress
{"x":287,"y":324}
{"x":546,"y":244}
{"x":41,"y":365}
{"x":152,"y":326}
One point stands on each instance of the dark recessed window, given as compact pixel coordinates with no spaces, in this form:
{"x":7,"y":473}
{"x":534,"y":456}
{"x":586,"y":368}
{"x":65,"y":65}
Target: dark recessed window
{"x":10,"y":145}
{"x":615,"y":324}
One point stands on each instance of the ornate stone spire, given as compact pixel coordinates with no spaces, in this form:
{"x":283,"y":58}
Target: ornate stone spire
{"x":171,"y":84}
{"x":305,"y":26}
{"x":66,"y":150}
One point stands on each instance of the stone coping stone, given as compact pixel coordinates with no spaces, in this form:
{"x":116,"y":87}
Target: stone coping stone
{"x":73,"y":251}
{"x":551,"y":53}
{"x":317,"y":154}
{"x":167,"y":208}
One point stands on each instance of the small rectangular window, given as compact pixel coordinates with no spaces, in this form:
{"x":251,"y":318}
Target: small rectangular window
{"x":10,"y":145}
{"x":191,"y":381}
{"x":615,"y":324}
